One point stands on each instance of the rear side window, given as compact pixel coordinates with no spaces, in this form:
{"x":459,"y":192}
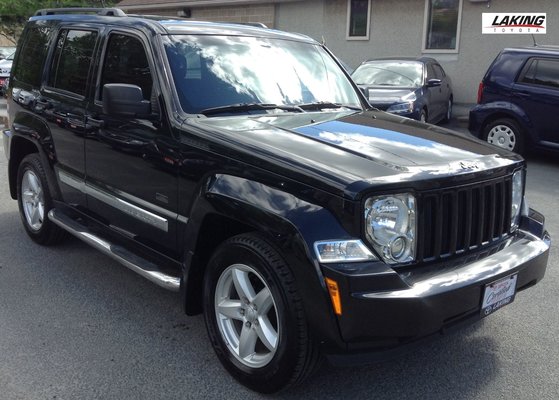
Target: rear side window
{"x":31,"y":59}
{"x":72,"y":60}
{"x":542,"y":72}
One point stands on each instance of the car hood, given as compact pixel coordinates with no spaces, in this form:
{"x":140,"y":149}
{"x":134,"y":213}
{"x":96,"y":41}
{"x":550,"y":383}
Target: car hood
{"x":352,"y":151}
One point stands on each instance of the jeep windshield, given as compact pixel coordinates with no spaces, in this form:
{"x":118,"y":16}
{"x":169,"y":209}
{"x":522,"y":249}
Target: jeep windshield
{"x":239,"y":74}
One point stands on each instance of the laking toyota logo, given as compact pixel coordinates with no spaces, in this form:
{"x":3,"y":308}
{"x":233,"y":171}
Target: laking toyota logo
{"x":507,"y":23}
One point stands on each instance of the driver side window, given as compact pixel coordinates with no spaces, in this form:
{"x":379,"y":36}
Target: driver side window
{"x":126,"y":62}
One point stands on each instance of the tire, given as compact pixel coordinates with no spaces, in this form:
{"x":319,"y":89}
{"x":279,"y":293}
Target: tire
{"x":254,"y":316}
{"x":448,"y":114}
{"x":423,"y":116}
{"x":35,"y":201}
{"x":506,"y":134}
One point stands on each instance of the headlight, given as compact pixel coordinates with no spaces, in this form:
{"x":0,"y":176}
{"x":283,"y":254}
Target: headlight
{"x":516,"y":204}
{"x":400,"y":108}
{"x":390,"y":226}
{"x":406,"y":104}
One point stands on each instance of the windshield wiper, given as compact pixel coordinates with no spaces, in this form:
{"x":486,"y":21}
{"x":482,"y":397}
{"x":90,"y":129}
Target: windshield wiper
{"x":243,"y":107}
{"x":321,"y":105}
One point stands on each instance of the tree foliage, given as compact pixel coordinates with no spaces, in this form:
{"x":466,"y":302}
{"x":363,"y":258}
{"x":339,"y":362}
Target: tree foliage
{"x":14,"y":13}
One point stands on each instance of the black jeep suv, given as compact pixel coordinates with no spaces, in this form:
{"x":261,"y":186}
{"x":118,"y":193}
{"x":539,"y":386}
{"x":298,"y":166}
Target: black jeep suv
{"x":243,"y":168}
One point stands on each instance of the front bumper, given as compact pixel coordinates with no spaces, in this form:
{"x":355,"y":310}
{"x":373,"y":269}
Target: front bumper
{"x":416,"y":114}
{"x":388,"y":308}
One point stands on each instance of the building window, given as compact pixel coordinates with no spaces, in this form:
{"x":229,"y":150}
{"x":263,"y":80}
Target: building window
{"x":442,"y":26}
{"x":358,"y":19}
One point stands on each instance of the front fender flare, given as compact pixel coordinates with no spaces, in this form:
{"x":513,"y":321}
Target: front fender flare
{"x":290,"y":223}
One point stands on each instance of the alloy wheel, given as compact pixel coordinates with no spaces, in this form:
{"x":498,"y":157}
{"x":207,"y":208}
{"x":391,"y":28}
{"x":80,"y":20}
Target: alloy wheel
{"x":246,"y":315}
{"x":33,"y":200}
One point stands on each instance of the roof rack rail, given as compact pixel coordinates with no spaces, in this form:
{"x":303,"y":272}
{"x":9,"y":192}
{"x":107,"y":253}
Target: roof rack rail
{"x":113,"y":12}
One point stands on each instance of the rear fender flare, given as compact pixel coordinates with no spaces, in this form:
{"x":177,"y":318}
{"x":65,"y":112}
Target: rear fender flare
{"x":27,"y":131}
{"x":501,"y":109}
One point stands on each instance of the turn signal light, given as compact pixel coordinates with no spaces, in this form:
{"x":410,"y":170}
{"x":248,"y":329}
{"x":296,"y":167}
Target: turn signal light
{"x":334,"y":292}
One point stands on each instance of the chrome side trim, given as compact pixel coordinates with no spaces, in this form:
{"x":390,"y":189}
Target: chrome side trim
{"x":71,"y":180}
{"x":128,"y":208}
{"x":143,"y":203}
{"x":139,"y":265}
{"x":118,"y":202}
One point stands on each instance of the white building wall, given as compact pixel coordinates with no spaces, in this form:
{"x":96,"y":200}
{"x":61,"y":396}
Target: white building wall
{"x":397,"y":30}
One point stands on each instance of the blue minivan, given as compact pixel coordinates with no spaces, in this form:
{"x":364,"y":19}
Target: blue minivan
{"x":518,"y":100}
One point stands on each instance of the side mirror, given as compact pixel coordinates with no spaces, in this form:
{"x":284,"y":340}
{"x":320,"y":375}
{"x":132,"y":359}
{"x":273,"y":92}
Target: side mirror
{"x":434,"y":82}
{"x":365,"y":92}
{"x":122,"y":99}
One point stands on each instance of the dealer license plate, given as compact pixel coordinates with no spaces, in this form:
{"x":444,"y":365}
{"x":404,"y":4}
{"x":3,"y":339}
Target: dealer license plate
{"x":498,"y":294}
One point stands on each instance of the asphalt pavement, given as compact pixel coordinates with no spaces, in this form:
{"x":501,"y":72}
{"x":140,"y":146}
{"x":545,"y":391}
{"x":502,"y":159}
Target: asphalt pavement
{"x":76,"y":325}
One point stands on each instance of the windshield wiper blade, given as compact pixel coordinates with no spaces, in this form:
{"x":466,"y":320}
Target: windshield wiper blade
{"x":321,"y":105}
{"x":243,"y":107}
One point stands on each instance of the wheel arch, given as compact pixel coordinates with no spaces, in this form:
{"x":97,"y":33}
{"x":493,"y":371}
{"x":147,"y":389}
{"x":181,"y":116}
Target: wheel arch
{"x":219,"y":214}
{"x":495,"y":111}
{"x":31,"y":135}
{"x":19,"y":149}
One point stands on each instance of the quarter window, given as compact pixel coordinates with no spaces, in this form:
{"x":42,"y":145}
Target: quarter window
{"x":542,"y":73}
{"x":442,"y":25}
{"x":72,"y":60}
{"x":30,"y":62}
{"x":358,"y":19}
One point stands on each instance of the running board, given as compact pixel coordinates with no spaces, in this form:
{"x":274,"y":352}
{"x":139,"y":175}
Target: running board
{"x":130,"y":260}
